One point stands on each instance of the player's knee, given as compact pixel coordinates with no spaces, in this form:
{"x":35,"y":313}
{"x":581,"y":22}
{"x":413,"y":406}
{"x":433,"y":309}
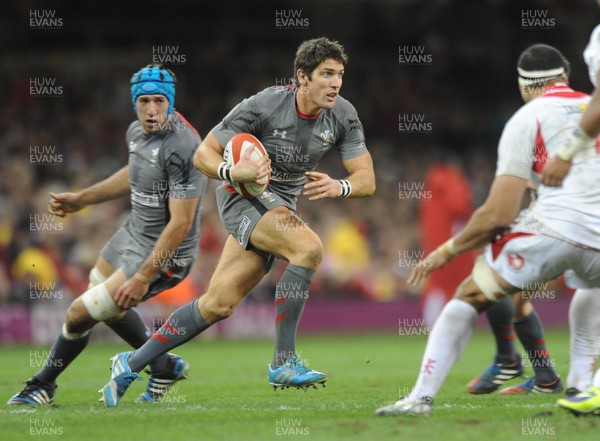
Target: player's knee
{"x":309,"y":251}
{"x":214,"y":309}
{"x":78,"y":320}
{"x":522,"y":307}
{"x":469,"y":292}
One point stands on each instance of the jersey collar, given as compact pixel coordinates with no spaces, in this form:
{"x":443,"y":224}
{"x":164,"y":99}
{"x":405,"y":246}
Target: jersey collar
{"x":303,"y":115}
{"x":562,"y":90}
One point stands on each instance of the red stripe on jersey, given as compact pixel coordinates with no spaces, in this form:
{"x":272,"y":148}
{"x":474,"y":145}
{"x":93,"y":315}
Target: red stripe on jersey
{"x":497,"y":245}
{"x":563,"y":91}
{"x":186,"y":122}
{"x":280,"y":300}
{"x":540,"y":155}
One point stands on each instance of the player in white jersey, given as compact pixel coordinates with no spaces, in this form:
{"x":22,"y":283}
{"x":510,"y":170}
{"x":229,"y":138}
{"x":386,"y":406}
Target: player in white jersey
{"x":554,"y":237}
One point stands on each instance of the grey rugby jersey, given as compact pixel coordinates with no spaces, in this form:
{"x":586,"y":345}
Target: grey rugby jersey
{"x":160,"y":167}
{"x":295,"y":143}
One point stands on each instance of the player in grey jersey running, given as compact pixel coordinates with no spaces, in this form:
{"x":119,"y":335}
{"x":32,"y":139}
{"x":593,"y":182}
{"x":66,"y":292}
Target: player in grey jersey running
{"x":297,"y":125}
{"x":153,"y":250}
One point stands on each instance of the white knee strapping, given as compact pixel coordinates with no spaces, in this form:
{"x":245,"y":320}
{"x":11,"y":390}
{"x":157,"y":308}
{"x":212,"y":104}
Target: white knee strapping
{"x":99,"y":303}
{"x":95,"y":278}
{"x":483,"y":276}
{"x":73,"y":335}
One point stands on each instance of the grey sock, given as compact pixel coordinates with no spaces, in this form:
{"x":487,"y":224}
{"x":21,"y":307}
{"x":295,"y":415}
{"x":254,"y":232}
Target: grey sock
{"x":181,"y":326}
{"x":62,"y":353}
{"x":501,"y":316}
{"x":134,"y":331}
{"x":291,"y":294}
{"x":531,"y":335}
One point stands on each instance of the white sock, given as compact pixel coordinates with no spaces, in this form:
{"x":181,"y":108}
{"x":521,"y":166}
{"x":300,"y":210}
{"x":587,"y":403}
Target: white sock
{"x":584,"y":327}
{"x":596,"y":381}
{"x":445,"y":345}
{"x":433,"y":304}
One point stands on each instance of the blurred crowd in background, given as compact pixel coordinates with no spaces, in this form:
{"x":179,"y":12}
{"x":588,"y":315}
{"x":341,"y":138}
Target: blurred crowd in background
{"x":72,"y":135}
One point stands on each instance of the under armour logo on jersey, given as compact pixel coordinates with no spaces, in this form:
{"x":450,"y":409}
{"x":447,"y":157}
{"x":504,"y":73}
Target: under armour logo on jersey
{"x":327,"y":137}
{"x":278,"y":133}
{"x":132,"y":146}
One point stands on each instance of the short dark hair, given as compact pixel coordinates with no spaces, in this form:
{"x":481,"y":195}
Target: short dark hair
{"x":543,"y":57}
{"x":313,"y":52}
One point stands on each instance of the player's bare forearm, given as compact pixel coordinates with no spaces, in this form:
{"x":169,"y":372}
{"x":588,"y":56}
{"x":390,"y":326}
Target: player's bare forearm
{"x":482,"y":228}
{"x":209,"y":156}
{"x":361,"y":175}
{"x":167,"y":243}
{"x":496,"y":214}
{"x":114,"y":187}
{"x":171,"y":237}
{"x":362,"y":182}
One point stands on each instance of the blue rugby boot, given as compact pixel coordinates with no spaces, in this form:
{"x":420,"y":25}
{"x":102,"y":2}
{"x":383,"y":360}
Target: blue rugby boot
{"x":294,"y":373}
{"x":120,"y":380}
{"x":494,"y":376}
{"x":160,"y":382}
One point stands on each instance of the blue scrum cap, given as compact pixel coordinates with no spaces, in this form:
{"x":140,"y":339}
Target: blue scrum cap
{"x":154,"y":79}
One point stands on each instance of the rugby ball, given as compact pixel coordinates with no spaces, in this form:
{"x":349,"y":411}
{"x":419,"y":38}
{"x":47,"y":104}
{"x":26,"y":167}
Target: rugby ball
{"x":234,"y":151}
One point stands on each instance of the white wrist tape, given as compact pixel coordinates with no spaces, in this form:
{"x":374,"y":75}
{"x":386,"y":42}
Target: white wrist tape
{"x":224,"y":172}
{"x":448,"y":249}
{"x":346,"y":189}
{"x":577,"y":142}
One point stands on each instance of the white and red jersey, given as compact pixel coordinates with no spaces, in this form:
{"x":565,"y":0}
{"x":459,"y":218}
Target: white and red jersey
{"x":530,"y":138}
{"x":537,"y":130}
{"x":591,"y":55}
{"x":573,"y":210}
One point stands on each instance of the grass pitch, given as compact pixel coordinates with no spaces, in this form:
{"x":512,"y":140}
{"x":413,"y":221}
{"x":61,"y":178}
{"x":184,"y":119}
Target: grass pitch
{"x":227,"y":396}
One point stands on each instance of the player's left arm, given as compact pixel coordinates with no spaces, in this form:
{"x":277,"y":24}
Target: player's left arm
{"x":557,"y":168}
{"x":182,"y":212}
{"x":360,"y":181}
{"x":495,"y":215}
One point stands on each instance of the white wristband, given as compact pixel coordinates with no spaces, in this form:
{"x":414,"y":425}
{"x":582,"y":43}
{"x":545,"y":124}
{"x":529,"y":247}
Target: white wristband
{"x":346,"y":188}
{"x":577,"y":142}
{"x":224,"y":172}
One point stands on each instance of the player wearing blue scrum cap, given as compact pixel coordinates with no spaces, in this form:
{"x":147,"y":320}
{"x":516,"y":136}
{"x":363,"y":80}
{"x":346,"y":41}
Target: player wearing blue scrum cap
{"x":153,"y":250}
